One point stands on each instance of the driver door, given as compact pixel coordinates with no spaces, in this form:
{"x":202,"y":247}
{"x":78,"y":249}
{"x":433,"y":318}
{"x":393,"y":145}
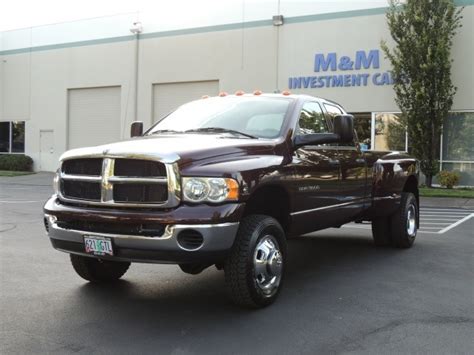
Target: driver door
{"x":318,"y":171}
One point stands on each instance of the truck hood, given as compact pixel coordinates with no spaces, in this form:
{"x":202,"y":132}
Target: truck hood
{"x":181,"y":148}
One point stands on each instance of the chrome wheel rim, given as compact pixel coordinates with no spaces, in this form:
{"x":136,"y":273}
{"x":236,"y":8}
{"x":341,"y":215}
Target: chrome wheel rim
{"x":411,"y":221}
{"x":268,"y":265}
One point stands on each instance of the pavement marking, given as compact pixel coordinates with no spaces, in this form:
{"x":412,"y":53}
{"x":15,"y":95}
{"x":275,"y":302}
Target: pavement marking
{"x":456,"y":224}
{"x":17,"y":201}
{"x":446,"y":209}
{"x":444,"y":215}
{"x":434,"y":221}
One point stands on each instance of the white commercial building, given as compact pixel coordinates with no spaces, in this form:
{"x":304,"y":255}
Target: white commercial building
{"x":82,"y":83}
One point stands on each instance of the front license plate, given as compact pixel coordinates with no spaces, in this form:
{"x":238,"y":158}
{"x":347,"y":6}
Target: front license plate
{"x":98,"y":245}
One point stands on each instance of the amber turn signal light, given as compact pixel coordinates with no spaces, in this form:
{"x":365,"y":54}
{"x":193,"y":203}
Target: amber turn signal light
{"x":233,"y":189}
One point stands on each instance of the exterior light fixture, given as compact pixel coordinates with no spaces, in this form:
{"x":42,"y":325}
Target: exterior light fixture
{"x":136,"y":28}
{"x":277,"y":20}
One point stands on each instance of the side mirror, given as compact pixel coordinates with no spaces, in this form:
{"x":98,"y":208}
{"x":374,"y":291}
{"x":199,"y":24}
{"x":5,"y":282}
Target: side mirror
{"x":344,"y":128}
{"x":315,"y":139}
{"x":136,"y":129}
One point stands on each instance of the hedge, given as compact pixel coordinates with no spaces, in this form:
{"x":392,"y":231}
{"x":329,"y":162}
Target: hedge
{"x":16,"y":162}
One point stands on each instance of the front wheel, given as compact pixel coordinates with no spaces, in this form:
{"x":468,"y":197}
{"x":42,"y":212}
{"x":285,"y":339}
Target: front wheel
{"x":96,"y":270}
{"x":254,"y":270}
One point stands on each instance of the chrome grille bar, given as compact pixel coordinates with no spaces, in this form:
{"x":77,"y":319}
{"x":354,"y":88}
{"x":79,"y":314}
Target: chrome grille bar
{"x":107,"y":189}
{"x":137,"y":180}
{"x":88,"y":178}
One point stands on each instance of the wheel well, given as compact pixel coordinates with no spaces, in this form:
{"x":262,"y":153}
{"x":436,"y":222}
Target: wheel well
{"x":271,"y":201}
{"x":411,"y":185}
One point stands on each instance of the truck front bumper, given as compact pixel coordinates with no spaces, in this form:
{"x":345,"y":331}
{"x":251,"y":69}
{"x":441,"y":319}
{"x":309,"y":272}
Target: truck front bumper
{"x":211,"y":237}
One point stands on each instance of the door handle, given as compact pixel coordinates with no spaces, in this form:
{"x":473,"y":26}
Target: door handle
{"x":334,"y":162}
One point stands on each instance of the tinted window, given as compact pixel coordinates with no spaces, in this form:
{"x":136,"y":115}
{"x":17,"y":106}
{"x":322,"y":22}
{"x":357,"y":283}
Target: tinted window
{"x":333,"y":110}
{"x":312,"y":119}
{"x":4,"y":137}
{"x":18,"y":137}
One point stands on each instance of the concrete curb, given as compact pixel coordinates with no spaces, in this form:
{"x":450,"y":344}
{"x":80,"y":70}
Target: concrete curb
{"x":447,"y":202}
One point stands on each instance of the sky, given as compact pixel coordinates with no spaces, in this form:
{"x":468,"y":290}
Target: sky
{"x":15,"y":14}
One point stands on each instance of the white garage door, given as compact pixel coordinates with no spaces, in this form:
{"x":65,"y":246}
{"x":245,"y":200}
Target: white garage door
{"x":167,"y":97}
{"x":94,"y":116}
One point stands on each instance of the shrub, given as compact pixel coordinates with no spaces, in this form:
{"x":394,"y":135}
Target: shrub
{"x":448,"y":178}
{"x":16,"y":162}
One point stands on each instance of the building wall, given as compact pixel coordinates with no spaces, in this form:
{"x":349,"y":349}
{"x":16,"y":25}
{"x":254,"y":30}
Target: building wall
{"x":34,"y":81}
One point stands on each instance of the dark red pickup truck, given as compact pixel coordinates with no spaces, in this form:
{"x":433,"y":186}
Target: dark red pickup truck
{"x":226,"y":181}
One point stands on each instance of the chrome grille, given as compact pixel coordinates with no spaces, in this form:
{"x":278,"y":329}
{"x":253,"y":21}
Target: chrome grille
{"x":119,"y":181}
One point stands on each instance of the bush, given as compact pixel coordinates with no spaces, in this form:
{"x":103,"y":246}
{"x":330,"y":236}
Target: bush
{"x":448,"y":178}
{"x":16,"y":162}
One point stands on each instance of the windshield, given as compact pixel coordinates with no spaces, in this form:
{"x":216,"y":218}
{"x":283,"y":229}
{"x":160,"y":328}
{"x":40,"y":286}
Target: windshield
{"x":260,"y":117}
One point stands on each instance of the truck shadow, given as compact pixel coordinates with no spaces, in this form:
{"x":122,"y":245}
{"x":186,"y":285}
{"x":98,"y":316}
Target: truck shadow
{"x":324,"y":273}
{"x":314,"y":262}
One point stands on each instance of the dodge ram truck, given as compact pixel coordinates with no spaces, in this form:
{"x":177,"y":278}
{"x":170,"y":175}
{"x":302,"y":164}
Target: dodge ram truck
{"x":225,"y":181}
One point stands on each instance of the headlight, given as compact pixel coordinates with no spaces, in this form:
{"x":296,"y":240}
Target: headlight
{"x":56,"y":183}
{"x":197,"y":189}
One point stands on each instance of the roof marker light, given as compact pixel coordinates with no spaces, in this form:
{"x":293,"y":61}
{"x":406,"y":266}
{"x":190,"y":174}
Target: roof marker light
{"x":286,"y":92}
{"x":257,"y":92}
{"x":222,"y":94}
{"x":204,"y":96}
{"x":239,"y":93}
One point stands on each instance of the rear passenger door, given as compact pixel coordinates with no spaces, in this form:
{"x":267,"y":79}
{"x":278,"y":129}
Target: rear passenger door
{"x":317,"y":174}
{"x":353,"y":187}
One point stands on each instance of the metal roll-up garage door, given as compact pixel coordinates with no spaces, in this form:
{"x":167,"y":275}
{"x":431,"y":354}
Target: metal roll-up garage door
{"x":167,"y":97}
{"x":94,"y":116}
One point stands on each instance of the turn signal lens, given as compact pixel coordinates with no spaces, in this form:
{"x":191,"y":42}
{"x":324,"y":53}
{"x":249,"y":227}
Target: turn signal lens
{"x":233,"y":189}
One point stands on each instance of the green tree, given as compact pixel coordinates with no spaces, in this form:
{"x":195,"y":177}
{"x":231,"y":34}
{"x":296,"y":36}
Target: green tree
{"x":423,"y":32}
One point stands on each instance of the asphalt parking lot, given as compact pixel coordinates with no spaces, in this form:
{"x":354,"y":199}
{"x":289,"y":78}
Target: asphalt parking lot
{"x":341,"y":294}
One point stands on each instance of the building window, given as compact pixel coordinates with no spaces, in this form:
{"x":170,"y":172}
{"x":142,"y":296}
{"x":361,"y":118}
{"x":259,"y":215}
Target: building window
{"x":458,"y":145}
{"x":12,"y":137}
{"x":390,"y":133}
{"x":457,"y":149}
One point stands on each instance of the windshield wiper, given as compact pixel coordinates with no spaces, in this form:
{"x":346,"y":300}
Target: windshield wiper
{"x":219,"y":130}
{"x":165,"y":131}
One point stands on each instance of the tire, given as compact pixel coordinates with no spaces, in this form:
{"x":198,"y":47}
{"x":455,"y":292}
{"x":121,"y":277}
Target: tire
{"x":404,"y":222}
{"x":255,"y":267}
{"x":381,"y":231}
{"x":96,"y":270}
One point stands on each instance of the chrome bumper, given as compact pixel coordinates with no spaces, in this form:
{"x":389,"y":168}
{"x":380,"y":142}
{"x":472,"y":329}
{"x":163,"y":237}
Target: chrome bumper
{"x":217,"y":241}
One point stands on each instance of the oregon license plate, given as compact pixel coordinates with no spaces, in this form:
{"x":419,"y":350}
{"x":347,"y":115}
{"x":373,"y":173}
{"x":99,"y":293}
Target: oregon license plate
{"x":98,"y":245}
